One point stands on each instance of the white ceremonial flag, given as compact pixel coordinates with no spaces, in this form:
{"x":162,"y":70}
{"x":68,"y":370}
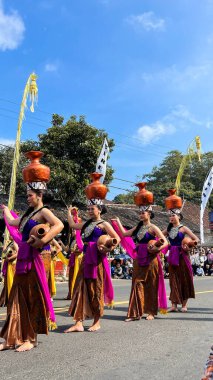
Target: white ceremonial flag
{"x":102,"y":160}
{"x":207,"y":189}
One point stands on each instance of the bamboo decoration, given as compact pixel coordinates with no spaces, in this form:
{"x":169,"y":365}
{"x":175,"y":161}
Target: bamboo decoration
{"x":32,"y":91}
{"x":193,"y":149}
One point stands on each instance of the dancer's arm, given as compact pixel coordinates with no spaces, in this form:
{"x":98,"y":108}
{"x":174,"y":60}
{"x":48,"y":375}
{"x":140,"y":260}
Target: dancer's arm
{"x":56,"y":226}
{"x":111,"y":232}
{"x":122,"y":229}
{"x":160,"y":235}
{"x":64,"y":248}
{"x":57,"y":245}
{"x":187,"y":231}
{"x":10,"y":219}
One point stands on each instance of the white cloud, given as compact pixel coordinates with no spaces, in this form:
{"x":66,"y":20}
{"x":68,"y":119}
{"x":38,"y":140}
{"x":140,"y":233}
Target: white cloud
{"x":11,"y":29}
{"x":180,"y":78}
{"x":147,"y":21}
{"x":150,"y":133}
{"x":51,"y":67}
{"x":4,"y":141}
{"x":179,"y":118}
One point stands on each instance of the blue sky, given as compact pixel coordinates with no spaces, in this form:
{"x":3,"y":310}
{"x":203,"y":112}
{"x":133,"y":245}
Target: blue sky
{"x":141,"y":70}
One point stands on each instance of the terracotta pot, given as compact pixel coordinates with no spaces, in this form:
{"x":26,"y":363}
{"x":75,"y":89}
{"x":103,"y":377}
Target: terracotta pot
{"x":9,"y":253}
{"x":40,"y":230}
{"x":35,"y":171}
{"x":96,"y":189}
{"x":155,"y":243}
{"x":173,"y":201}
{"x":143,"y":197}
{"x":187,"y":244}
{"x":107,"y":242}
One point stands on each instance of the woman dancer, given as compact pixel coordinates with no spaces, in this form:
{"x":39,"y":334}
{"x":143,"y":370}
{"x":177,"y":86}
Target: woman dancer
{"x":9,"y":254}
{"x":93,"y":284}
{"x":180,"y":270}
{"x":147,"y":279}
{"x":29,"y":306}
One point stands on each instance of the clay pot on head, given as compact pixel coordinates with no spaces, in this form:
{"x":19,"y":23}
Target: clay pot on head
{"x":105,"y":241}
{"x":40,"y":230}
{"x":35,"y":171}
{"x":155,"y":244}
{"x":187,"y":244}
{"x":96,"y":189}
{"x":143,"y":197}
{"x":173,"y":201}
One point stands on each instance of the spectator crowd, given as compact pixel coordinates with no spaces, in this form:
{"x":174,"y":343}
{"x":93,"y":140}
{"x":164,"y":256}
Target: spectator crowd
{"x":201,"y":260}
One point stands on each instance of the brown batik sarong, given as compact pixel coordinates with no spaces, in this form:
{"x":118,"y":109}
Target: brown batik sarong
{"x":88,"y":295}
{"x":26,"y":311}
{"x":144,"y":292}
{"x":181,"y":282}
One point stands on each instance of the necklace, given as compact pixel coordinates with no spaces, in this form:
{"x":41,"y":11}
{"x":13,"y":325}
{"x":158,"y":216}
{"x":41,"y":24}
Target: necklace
{"x":174,"y":231}
{"x":143,"y":230}
{"x":90,"y":228}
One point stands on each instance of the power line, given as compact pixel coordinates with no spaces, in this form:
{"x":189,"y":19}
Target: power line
{"x":131,"y":147}
{"x":111,"y":132}
{"x":120,"y":188}
{"x":124,"y":180}
{"x":17,"y":113}
{"x":18,"y":104}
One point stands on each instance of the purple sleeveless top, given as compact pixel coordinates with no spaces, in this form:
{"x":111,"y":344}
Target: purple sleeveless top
{"x":147,"y":237}
{"x":93,"y":238}
{"x":177,"y":240}
{"x":26,"y":231}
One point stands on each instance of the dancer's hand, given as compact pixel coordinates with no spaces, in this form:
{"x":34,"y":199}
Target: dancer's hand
{"x":103,"y":249}
{"x":35,"y":242}
{"x":3,"y":207}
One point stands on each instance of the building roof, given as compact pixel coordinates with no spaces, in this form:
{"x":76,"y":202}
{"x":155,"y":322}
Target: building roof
{"x":127,"y":213}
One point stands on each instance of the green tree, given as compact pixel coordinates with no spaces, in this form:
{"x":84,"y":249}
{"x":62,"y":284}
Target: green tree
{"x":70,"y":150}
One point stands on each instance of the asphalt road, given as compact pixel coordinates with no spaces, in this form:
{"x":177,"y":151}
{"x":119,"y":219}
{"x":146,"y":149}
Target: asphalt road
{"x":171,"y":347}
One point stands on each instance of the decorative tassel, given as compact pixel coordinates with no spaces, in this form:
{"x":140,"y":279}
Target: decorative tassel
{"x":52,"y":326}
{"x":33,"y":91}
{"x":163,"y":311}
{"x":193,"y":148}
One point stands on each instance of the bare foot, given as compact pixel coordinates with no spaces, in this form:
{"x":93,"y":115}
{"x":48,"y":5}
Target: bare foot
{"x":150,"y":317}
{"x":184,"y":309}
{"x":75,"y":328}
{"x":26,"y":346}
{"x":95,"y":327}
{"x":4,"y":347}
{"x":132,"y":319}
{"x":172,"y":309}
